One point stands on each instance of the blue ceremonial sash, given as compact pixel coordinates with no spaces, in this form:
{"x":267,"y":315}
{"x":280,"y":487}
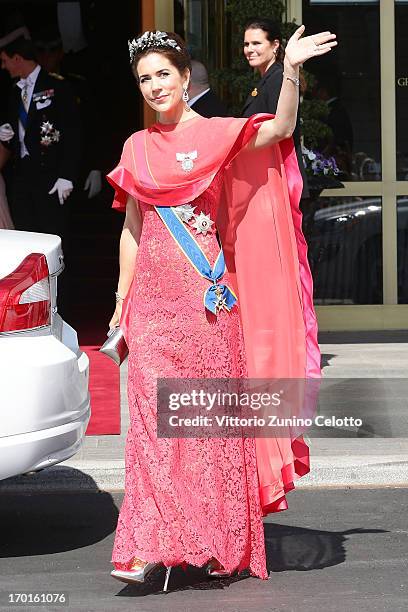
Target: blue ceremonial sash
{"x":216,"y":297}
{"x":23,"y":115}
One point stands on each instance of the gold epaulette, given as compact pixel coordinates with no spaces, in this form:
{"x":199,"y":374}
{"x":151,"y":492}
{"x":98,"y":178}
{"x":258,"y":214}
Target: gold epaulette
{"x":56,"y":76}
{"x":79,"y":77}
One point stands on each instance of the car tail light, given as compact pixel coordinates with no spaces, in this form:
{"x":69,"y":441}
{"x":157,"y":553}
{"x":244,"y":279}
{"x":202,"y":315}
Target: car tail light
{"x":25,"y":301}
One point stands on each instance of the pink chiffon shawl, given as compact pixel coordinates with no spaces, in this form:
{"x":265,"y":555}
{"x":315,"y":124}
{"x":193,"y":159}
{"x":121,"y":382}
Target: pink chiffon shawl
{"x":265,"y":251}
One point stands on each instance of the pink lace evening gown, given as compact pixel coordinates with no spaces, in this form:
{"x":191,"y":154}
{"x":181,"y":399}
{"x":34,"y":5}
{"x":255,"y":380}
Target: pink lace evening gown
{"x":186,"y":500}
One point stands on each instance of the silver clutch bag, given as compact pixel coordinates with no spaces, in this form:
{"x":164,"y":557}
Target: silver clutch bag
{"x":115,"y":346}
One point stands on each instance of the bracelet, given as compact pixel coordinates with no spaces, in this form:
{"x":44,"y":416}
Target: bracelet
{"x":293,"y":79}
{"x":118,"y":297}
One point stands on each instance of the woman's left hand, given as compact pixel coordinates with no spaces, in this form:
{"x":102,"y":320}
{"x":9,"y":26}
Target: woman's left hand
{"x":299,"y":49}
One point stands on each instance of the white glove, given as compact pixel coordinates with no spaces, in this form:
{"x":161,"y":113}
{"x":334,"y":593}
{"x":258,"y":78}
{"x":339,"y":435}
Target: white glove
{"x":93,"y":183}
{"x":6,"y":132}
{"x":63,"y":187}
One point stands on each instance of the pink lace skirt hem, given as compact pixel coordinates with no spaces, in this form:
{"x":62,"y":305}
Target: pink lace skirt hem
{"x":258,"y":573}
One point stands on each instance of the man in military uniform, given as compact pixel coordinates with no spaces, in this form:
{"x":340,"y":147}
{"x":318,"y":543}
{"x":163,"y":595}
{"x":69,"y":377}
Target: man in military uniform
{"x":50,"y":56}
{"x":43,"y":135}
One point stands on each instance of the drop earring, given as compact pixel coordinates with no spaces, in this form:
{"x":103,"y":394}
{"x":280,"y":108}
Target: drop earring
{"x":186,"y":98}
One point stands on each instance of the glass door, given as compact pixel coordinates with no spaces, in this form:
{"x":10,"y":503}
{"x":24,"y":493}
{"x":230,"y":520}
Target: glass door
{"x":358,"y":235}
{"x":401,"y":94}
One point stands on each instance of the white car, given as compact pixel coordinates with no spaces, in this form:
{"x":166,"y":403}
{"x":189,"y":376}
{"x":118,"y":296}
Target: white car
{"x":44,"y":376}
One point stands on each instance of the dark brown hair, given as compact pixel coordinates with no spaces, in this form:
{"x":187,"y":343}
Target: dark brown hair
{"x":21,"y":46}
{"x":272,"y":30}
{"x":180,"y":59}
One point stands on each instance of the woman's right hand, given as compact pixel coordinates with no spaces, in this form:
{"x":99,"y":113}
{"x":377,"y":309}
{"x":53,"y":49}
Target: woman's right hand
{"x":115,"y":320}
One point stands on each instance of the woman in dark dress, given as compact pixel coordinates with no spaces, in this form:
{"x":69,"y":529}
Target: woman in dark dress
{"x":264,"y":52}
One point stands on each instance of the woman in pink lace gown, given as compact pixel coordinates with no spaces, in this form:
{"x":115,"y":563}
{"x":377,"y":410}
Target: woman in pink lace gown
{"x":184,"y":497}
{"x":193,"y":500}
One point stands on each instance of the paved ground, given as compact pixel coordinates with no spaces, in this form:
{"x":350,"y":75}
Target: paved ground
{"x":332,"y":551}
{"x":342,"y":546}
{"x":347,"y":461}
{"x":350,"y":460}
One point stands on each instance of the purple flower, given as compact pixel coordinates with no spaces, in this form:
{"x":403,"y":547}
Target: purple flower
{"x":316,"y":163}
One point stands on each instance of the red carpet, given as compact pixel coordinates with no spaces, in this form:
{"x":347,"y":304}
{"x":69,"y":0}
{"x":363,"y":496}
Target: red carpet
{"x":104,"y":387}
{"x":89,"y":314}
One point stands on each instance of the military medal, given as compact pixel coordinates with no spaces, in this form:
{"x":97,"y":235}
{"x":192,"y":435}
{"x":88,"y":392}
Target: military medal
{"x":254,"y":92}
{"x":221,"y":302}
{"x":187,"y":160}
{"x":24,"y":96}
{"x":42,"y":96}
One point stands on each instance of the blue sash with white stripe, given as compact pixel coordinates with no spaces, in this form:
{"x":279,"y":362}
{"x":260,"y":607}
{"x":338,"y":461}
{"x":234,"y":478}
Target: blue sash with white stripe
{"x":217,"y":297}
{"x":22,"y":115}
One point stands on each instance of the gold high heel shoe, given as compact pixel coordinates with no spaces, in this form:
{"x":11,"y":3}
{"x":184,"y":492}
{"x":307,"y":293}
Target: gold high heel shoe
{"x":138,"y":573}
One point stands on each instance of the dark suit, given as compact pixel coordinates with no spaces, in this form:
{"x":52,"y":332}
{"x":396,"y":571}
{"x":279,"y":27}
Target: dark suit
{"x":266,"y":101}
{"x":209,"y":105}
{"x":34,"y":175}
{"x":93,"y":151}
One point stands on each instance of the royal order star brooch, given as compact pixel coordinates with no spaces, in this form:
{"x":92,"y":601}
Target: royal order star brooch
{"x":48,"y":134}
{"x":185,"y":212}
{"x":202,"y":223}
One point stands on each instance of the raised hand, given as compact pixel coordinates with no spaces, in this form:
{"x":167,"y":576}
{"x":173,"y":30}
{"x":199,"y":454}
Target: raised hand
{"x":299,"y":49}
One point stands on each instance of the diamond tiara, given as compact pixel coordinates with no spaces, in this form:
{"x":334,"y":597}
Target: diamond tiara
{"x":151,"y":39}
